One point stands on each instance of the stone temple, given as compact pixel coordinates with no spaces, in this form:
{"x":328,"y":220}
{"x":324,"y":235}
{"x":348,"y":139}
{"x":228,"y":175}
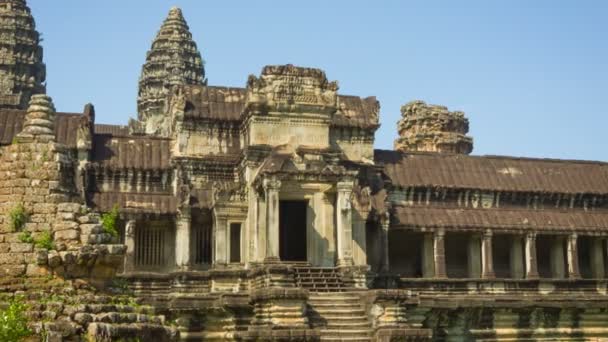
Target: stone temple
{"x":263,"y":213}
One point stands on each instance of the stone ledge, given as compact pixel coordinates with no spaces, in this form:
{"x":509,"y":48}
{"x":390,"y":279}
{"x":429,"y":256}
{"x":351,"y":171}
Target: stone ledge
{"x":279,"y":293}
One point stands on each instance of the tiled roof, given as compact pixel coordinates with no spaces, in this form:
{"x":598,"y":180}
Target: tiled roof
{"x":508,"y":219}
{"x":494,"y":173}
{"x":214,"y":103}
{"x":11,"y":123}
{"x":115,"y":130}
{"x":226,"y":104}
{"x":146,"y":153}
{"x":66,"y":126}
{"x":134,"y":203}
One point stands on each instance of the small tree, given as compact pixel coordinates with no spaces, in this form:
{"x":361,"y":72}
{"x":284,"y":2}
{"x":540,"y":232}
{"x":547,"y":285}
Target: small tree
{"x":17,"y":217}
{"x":45,"y":240}
{"x":13,"y":323}
{"x":109,"y":221}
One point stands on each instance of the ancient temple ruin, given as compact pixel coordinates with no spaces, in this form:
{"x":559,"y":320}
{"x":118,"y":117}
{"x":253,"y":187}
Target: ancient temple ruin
{"x":264,"y":213}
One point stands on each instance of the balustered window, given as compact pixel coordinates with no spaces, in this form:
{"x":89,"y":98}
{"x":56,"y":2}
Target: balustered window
{"x":154,"y":244}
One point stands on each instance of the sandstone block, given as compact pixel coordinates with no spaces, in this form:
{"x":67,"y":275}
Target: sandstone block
{"x":65,"y":235}
{"x":67,"y":216}
{"x":22,"y":247}
{"x":42,"y":257}
{"x":69,"y":207}
{"x":12,"y":258}
{"x":37,"y":271}
{"x":67,"y":257}
{"x":65,"y":225}
{"x":83,"y":318}
{"x":45,"y":208}
{"x":54,"y":259}
{"x":4,"y":247}
{"x":13,"y":270}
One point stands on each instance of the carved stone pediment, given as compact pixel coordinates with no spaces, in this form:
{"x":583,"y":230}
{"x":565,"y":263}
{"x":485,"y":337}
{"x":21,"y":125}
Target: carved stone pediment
{"x":287,"y":88}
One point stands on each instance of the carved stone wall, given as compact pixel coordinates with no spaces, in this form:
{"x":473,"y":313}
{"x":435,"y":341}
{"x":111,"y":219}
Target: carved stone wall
{"x":431,"y":128}
{"x":22,"y":72}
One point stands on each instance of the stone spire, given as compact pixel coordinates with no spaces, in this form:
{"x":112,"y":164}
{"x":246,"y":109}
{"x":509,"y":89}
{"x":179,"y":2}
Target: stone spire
{"x":431,"y":128}
{"x":39,"y":120}
{"x":22,"y":72}
{"x":173,"y":60}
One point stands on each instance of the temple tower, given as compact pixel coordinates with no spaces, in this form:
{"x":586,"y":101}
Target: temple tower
{"x":173,"y":60}
{"x":432,"y":128}
{"x":22,"y":73}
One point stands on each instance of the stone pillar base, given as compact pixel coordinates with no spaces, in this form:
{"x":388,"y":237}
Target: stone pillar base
{"x":279,"y":309}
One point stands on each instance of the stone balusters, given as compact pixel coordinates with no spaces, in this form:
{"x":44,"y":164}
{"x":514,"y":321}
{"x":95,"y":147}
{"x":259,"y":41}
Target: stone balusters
{"x":530,"y":251}
{"x":344,"y":224}
{"x":130,"y":227}
{"x":573,"y":267}
{"x":385,"y":223}
{"x":272,"y":188}
{"x":439,"y":254}
{"x":487,"y":262}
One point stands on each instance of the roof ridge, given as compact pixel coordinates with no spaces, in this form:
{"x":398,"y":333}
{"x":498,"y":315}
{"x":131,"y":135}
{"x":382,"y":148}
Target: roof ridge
{"x":490,"y":156}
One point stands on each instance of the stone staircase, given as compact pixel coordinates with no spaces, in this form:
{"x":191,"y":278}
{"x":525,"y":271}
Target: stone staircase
{"x":99,"y":318}
{"x":318,"y":279}
{"x":340,"y":316}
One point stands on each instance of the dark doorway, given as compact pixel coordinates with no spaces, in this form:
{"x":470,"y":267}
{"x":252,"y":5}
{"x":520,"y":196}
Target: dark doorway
{"x":405,"y":253}
{"x":235,"y":242}
{"x":292,"y":230}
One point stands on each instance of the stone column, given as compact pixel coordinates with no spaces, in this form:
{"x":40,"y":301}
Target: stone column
{"x":516,"y":257}
{"x":474,"y":256}
{"x":220,"y":247}
{"x":531,"y":262}
{"x":558,"y":269}
{"x":598,"y":264}
{"x":344,"y":222}
{"x":182,"y":242}
{"x":439,"y":254}
{"x":359,"y":238}
{"x":385,"y":223}
{"x":272,"y":188}
{"x":573,"y":267}
{"x":428,"y":260}
{"x":130,"y":227}
{"x":487,"y":261}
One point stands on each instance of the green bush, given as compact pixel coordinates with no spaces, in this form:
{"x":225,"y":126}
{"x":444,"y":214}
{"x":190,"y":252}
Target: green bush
{"x":45,"y":241}
{"x":109,"y":221}
{"x":26,"y":237}
{"x":17,"y":217}
{"x":13,"y":323}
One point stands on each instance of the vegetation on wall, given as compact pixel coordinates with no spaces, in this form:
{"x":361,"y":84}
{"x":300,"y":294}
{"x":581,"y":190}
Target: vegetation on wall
{"x":13,"y":322}
{"x":17,"y":217}
{"x":109,"y":221}
{"x":45,"y":240}
{"x":26,"y":237}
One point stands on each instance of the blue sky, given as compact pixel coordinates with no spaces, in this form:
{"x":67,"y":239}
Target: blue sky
{"x":532,"y":76}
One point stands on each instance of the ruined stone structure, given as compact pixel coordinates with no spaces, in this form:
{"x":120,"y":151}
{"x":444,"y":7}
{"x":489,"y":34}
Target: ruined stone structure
{"x":264,"y":213}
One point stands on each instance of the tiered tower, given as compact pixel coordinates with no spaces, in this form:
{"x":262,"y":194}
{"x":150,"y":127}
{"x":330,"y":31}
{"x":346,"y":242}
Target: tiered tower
{"x":432,"y":128}
{"x":22,"y":73}
{"x":173,"y":60}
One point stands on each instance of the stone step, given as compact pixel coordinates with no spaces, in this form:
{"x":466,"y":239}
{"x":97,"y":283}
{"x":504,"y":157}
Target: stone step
{"x":332,"y":298}
{"x":337,"y":333}
{"x":357,"y":325}
{"x":144,"y":332}
{"x":353,"y":338}
{"x":116,"y":317}
{"x":337,"y":305}
{"x":338,"y":314}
